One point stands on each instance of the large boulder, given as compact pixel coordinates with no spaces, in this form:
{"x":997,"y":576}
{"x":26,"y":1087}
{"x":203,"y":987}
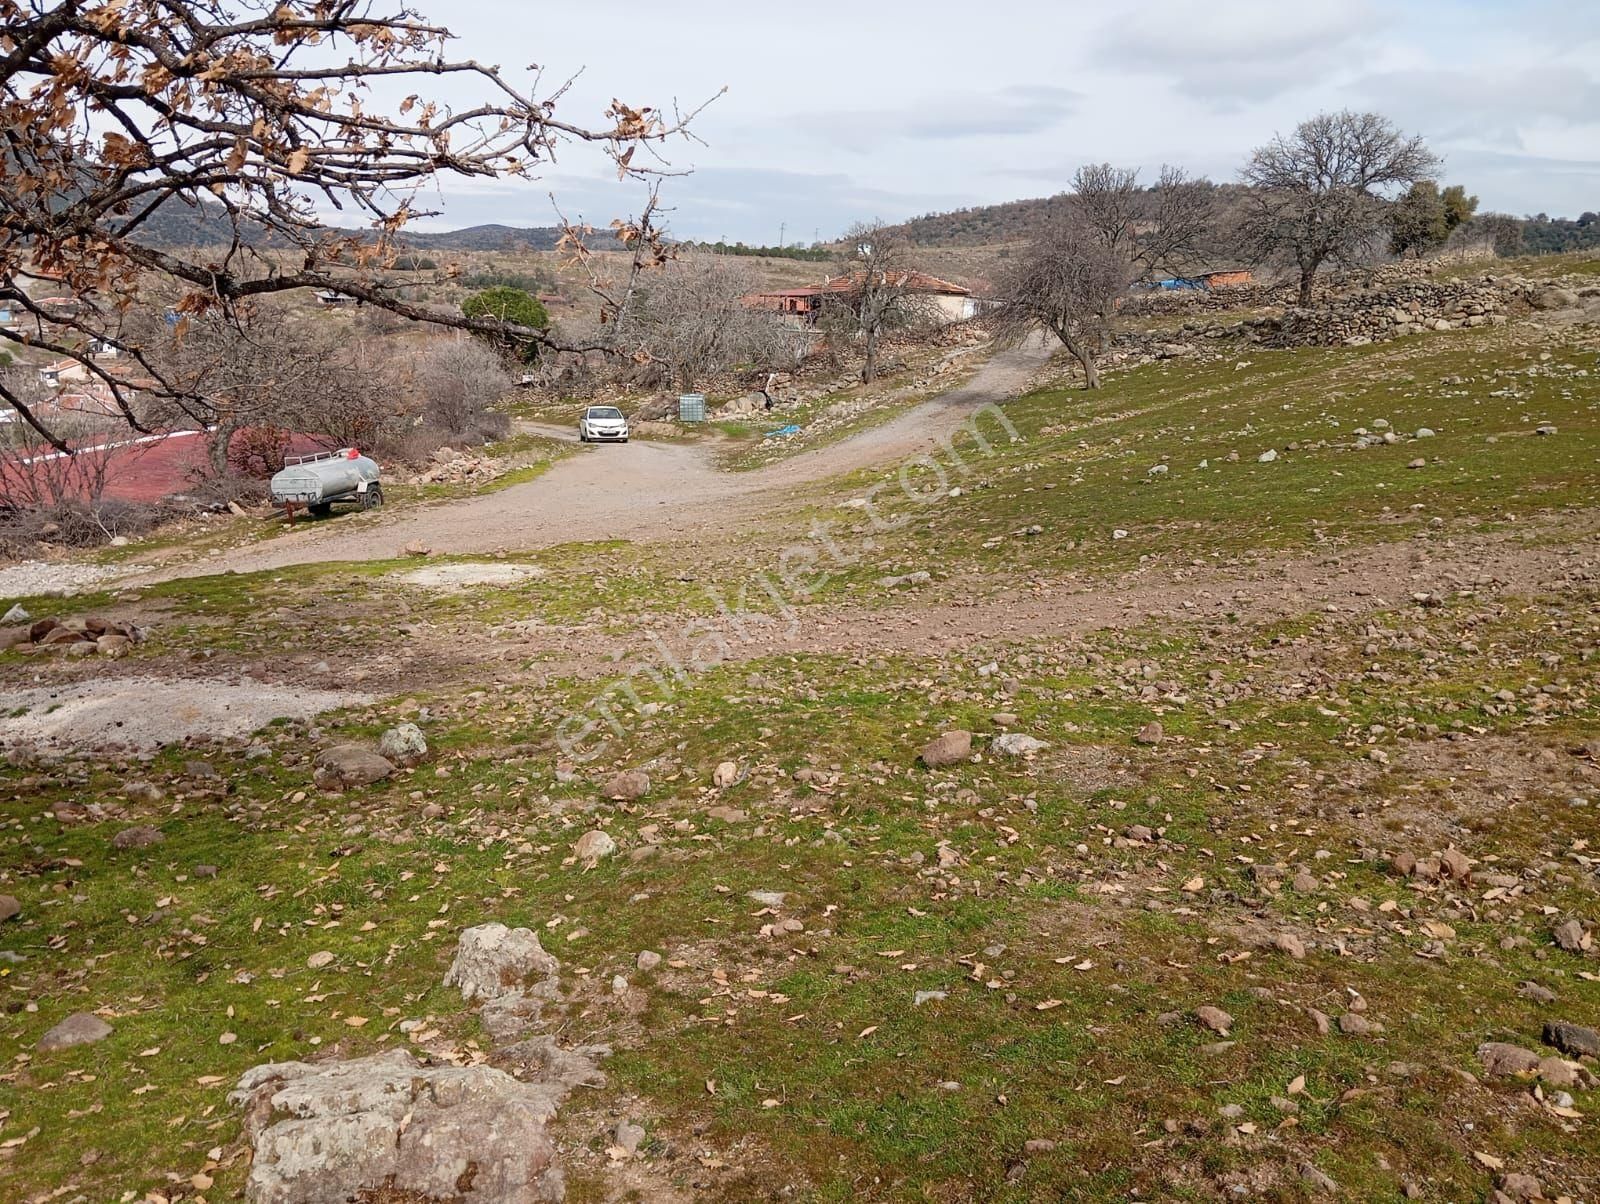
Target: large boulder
{"x":1553,"y":297}
{"x":469,"y":1134}
{"x":347,"y":765}
{"x":494,"y":961}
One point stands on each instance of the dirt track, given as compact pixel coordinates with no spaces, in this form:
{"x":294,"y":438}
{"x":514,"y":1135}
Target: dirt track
{"x":637,"y":491}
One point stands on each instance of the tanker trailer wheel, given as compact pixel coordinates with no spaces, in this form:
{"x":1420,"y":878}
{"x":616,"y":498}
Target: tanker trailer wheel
{"x":320,"y":509}
{"x":372,"y":498}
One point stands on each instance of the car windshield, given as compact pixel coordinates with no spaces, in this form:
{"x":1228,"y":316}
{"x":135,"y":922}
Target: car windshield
{"x":604,"y":412}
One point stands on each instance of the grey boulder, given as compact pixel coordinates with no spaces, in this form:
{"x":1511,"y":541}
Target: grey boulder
{"x":325,"y":1133}
{"x":80,"y":1028}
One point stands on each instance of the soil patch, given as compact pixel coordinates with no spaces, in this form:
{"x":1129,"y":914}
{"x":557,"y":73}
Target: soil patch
{"x":458,"y":576}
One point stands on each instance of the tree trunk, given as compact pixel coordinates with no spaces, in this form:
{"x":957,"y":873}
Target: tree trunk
{"x":221,"y":437}
{"x":869,"y":370}
{"x":1308,"y":274}
{"x":1085,"y":357}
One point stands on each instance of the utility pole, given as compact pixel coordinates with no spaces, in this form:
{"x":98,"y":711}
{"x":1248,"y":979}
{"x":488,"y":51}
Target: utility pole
{"x":782,"y":226}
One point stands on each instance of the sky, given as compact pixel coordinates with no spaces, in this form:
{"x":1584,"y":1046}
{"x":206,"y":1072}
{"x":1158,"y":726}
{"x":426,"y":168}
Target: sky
{"x":883,"y":109}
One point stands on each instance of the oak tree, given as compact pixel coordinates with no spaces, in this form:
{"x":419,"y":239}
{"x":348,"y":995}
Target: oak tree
{"x":257,"y":115}
{"x":1318,"y":195}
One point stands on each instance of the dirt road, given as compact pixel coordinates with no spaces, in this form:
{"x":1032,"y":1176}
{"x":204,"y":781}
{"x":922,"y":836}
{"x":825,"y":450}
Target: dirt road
{"x":636,"y":491}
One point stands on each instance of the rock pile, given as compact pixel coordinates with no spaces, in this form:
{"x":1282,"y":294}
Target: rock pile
{"x":72,"y":637}
{"x":1392,"y":311}
{"x":1397,"y":300}
{"x":451,"y":466}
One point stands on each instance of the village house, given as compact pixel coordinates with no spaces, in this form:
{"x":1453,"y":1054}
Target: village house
{"x":949,"y":302}
{"x":61,"y":372}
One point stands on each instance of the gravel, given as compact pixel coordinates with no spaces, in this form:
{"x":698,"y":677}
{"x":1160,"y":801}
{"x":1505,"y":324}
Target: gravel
{"x":41,"y":579}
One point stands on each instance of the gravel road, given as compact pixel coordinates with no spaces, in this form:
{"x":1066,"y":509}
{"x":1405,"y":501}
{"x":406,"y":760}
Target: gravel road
{"x":635,"y":491}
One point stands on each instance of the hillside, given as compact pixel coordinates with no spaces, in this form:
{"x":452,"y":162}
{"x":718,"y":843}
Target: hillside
{"x":179,"y":225}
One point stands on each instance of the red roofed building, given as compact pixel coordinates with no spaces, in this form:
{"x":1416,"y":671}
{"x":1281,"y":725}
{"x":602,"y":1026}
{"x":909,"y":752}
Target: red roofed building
{"x":951,"y":302}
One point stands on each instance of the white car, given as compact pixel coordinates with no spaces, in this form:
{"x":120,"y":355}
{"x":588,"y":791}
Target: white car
{"x":602,"y":424}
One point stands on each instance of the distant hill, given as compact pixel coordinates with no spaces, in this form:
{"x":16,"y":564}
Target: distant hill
{"x":1017,"y":221}
{"x":176,"y":224}
{"x":980,"y":225}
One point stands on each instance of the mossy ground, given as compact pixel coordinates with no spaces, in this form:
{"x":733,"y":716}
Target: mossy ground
{"x":1071,"y":957}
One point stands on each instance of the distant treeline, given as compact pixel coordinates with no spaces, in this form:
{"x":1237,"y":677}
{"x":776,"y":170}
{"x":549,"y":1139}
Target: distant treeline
{"x":1543,"y":235}
{"x":814,"y":254}
{"x":533,"y":283}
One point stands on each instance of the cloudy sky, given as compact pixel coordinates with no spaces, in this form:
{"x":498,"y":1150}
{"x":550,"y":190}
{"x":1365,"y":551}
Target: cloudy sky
{"x":836,"y":112}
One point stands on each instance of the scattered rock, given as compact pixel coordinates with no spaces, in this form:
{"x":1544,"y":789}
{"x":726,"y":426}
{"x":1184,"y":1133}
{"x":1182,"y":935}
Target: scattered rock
{"x":593,"y":846}
{"x":417,"y":548}
{"x":141,"y":836}
{"x":628,"y":785}
{"x":403,"y":744}
{"x":1352,"y":1024}
{"x":725,"y":774}
{"x":1574,"y":1040}
{"x":80,"y":1028}
{"x":10,"y":908}
{"x":347,"y":765}
{"x":647,"y":960}
{"x":1017,"y":744}
{"x":768,"y":898}
{"x":1151,"y":733}
{"x":1572,"y":937}
{"x":1502,"y":1060}
{"x":493,"y":961}
{"x":1267,"y":457}
{"x":1217,"y":1020}
{"x":950,"y":748}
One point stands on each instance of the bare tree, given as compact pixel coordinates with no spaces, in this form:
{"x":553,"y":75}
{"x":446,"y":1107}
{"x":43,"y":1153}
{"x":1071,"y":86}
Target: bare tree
{"x":251,"y":116}
{"x":1318,"y":195}
{"x":692,"y":317}
{"x":877,"y":289}
{"x":1156,"y":229}
{"x":1068,"y":282}
{"x":456,"y":381}
{"x":1110,"y":233}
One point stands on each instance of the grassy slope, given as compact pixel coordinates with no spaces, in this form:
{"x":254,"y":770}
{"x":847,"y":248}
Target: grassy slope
{"x":179,"y":961}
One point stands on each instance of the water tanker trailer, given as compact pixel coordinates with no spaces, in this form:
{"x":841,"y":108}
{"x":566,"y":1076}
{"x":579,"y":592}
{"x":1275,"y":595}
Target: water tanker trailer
{"x":317,"y":482}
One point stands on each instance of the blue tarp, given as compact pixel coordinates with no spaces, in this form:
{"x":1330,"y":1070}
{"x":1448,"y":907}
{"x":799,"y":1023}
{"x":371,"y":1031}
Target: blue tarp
{"x":783,"y":432}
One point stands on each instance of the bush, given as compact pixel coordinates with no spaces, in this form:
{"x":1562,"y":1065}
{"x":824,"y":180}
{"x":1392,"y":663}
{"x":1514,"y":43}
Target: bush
{"x":456,"y":383}
{"x":258,"y":451}
{"x":507,"y":304}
